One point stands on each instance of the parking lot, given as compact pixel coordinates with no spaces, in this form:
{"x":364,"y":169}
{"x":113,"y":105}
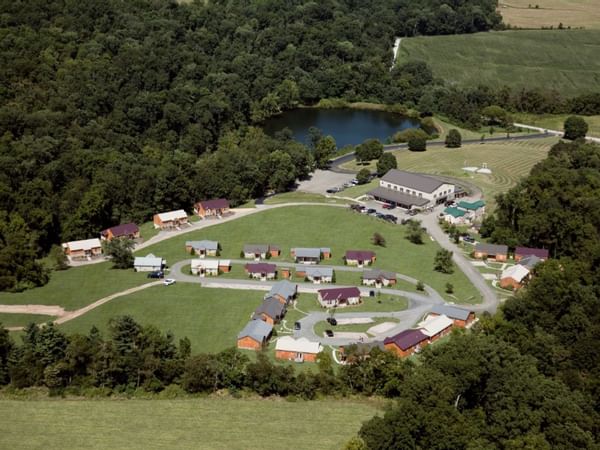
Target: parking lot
{"x":322,"y":180}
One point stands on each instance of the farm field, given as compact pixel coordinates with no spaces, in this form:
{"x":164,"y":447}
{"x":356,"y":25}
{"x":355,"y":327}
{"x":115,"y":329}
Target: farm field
{"x":564,"y":60}
{"x":321,"y":226}
{"x":556,"y":121}
{"x":509,"y":162}
{"x":77,"y":287}
{"x":203,"y":423}
{"x":210,"y":318}
{"x":571,"y":13}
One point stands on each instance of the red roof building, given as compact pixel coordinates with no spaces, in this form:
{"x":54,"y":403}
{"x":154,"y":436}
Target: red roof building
{"x":359,"y":257}
{"x":522,"y":252}
{"x":406,"y":342}
{"x":339,"y":296}
{"x":125,"y":230}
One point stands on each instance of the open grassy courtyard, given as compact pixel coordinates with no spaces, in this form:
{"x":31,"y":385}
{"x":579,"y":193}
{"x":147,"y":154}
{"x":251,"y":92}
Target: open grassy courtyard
{"x":322,"y":226}
{"x":203,"y":423}
{"x":210,"y":318}
{"x":77,"y":287}
{"x":549,"y":13}
{"x":565,"y":60}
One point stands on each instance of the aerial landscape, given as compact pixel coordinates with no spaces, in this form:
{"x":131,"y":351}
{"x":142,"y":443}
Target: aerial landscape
{"x":317,"y":225}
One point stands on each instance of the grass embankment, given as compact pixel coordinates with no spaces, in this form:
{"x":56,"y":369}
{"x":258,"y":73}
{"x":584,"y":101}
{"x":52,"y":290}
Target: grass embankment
{"x":320,"y":226}
{"x":19,"y":320}
{"x":203,"y":423}
{"x":77,"y":287}
{"x":508,"y":161}
{"x":564,"y":60}
{"x":557,"y":121}
{"x":291,"y":197}
{"x":550,"y":13}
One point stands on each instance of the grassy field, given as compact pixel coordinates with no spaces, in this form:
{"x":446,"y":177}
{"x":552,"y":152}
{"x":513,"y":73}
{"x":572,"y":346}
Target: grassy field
{"x":509,"y":162}
{"x":565,"y":60}
{"x":556,"y":121}
{"x":207,"y":423}
{"x":77,"y":287}
{"x":20,"y":320}
{"x":289,"y":197}
{"x":338,"y":228}
{"x":571,"y":13}
{"x":210,"y":318}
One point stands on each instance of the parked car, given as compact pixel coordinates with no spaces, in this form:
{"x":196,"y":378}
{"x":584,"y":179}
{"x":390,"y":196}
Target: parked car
{"x":412,"y":212}
{"x":371,"y":211}
{"x":156,"y":274}
{"x":468,"y":239}
{"x":354,"y":181}
{"x":328,"y":333}
{"x":356,"y":207}
{"x":391,"y":218}
{"x":297,"y":326}
{"x":169,"y":282}
{"x":332,"y":321}
{"x":388,"y":206}
{"x":333,"y":190}
{"x":380,"y":215}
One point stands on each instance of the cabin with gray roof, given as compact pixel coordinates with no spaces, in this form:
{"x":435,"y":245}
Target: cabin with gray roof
{"x":461,"y":317}
{"x":491,"y":251}
{"x":148,"y":263}
{"x":271,"y":310}
{"x":202,"y":248}
{"x":378,"y":278}
{"x":412,"y":190}
{"x":317,"y":275}
{"x":310,"y":255}
{"x":284,"y":290}
{"x":260,"y":251}
{"x":255,"y":335}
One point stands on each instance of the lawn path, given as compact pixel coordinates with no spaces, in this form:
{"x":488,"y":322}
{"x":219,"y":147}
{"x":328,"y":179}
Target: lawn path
{"x":66,"y":316}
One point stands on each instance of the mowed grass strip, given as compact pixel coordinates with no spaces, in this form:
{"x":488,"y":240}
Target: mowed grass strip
{"x":77,"y":287}
{"x":508,"y":161}
{"x":550,"y":13}
{"x":210,"y":318}
{"x":564,"y":60}
{"x":323,"y":226}
{"x":21,"y":320}
{"x":209,"y":423}
{"x":557,"y":121}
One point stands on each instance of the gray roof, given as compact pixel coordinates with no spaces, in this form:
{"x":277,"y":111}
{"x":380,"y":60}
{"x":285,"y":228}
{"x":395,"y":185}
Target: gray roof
{"x":451,"y":311}
{"x":307,"y":252}
{"x":530,"y":261}
{"x":398,"y":197}
{"x":283,"y":288}
{"x":271,"y":307}
{"x":256,"y":248}
{"x":147,"y":261}
{"x":376,"y":273}
{"x":207,"y":245}
{"x":412,"y":180}
{"x":491,"y":249}
{"x":257,"y":330}
{"x":317,"y":271}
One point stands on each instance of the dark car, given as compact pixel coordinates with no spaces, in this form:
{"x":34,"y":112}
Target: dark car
{"x":332,"y":190}
{"x":297,"y":326}
{"x":371,"y":211}
{"x":380,"y":215}
{"x":329,"y":333}
{"x":156,"y":274}
{"x":391,"y":218}
{"x":468,"y":239}
{"x":332,"y":321}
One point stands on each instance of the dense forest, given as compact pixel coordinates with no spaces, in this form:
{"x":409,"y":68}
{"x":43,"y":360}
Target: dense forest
{"x":111,"y":111}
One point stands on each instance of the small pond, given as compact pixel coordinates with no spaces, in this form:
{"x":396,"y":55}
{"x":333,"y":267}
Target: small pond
{"x":347,"y":126}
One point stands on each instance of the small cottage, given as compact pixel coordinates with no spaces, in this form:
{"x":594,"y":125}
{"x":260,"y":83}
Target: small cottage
{"x":284,"y":291}
{"x":317,"y":275}
{"x":170,"y":220}
{"x":406,"y":342}
{"x":461,"y":317}
{"x":523,"y":252}
{"x":298,"y":350}
{"x":359,"y":258}
{"x":211,"y":208}
{"x":378,"y":278}
{"x":255,"y":335}
{"x":261,"y":271}
{"x":126,"y":230}
{"x":271,"y":310}
{"x":491,"y":251}
{"x":514,"y":277}
{"x":202,"y":248}
{"x":85,"y":249}
{"x":343,"y":296}
{"x":148,"y":263}
{"x":436,"y":327}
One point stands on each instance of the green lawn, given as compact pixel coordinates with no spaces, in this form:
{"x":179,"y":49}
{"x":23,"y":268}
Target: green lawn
{"x":564,"y":60}
{"x":21,"y":320}
{"x":148,"y":231}
{"x":210,"y":318}
{"x":204,"y":423}
{"x":556,"y":121}
{"x":338,"y":228}
{"x":290,"y":197}
{"x":361,"y":189}
{"x":77,"y":286}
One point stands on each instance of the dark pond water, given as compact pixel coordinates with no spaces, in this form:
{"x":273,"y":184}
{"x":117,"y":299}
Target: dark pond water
{"x":347,"y":126}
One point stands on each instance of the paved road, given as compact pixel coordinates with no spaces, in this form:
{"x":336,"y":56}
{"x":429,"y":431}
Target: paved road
{"x":337,"y":162}
{"x":552,"y":132}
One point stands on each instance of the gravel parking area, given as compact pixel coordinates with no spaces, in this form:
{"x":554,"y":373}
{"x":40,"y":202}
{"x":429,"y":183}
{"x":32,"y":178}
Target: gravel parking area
{"x":322,"y":180}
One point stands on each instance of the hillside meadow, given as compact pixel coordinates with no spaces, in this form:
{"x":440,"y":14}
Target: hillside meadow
{"x":564,"y":60}
{"x":202,"y":423}
{"x":550,"y":13}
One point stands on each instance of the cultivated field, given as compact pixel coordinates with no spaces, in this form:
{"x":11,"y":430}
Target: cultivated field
{"x":565,"y":60}
{"x":571,"y":13}
{"x":209,"y":423}
{"x":556,"y":121}
{"x":509,"y":162}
